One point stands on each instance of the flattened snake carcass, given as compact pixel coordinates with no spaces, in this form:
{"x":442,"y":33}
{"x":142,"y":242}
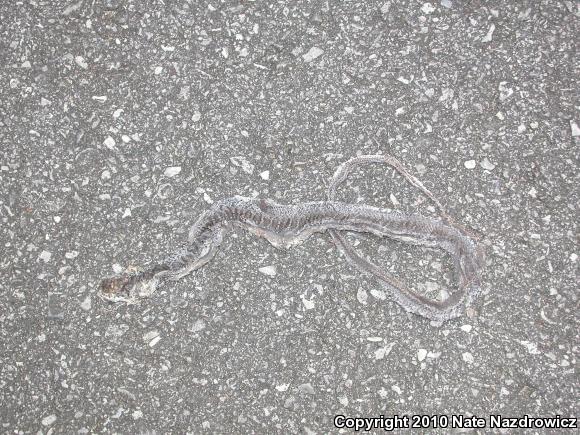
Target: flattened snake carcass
{"x":285,"y":226}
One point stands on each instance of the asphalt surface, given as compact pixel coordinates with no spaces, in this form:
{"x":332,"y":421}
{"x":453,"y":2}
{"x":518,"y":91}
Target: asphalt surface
{"x":120,"y":122}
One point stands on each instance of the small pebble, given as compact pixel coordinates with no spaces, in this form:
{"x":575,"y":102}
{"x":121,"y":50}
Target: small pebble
{"x":362,"y":296}
{"x":86,"y":304}
{"x":306,"y":388}
{"x":467,"y":357}
{"x":282,"y":387}
{"x":49,"y":420}
{"x":172,"y":171}
{"x":312,"y":54}
{"x":486,"y":164}
{"x":109,"y":142}
{"x":70,"y":255}
{"x":45,"y":256}
{"x":80,"y":61}
{"x":469,"y":164}
{"x":427,"y":8}
{"x":268,"y":270}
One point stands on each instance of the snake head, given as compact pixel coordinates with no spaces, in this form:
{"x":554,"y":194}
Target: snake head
{"x":130,"y":287}
{"x":117,"y":288}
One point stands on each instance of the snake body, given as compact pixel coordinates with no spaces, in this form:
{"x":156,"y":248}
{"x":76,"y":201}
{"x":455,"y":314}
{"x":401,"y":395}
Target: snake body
{"x":285,"y":226}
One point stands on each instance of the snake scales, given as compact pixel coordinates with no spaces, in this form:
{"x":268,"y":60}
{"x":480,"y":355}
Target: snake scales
{"x":287,"y":225}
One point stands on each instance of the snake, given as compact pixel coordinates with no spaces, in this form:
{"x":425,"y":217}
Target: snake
{"x":288,"y":225}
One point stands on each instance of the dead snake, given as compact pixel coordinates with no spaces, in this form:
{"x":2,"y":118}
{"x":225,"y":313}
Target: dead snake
{"x":285,"y":226}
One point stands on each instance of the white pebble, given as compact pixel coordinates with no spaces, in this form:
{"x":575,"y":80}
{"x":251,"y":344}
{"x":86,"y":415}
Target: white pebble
{"x":80,"y":61}
{"x":172,"y":171}
{"x":151,"y":335}
{"x":575,"y":129}
{"x":489,"y":36}
{"x":282,"y":387}
{"x":109,"y":142}
{"x":86,"y":304}
{"x":265,"y":175}
{"x":47,"y":421}
{"x":466,"y":328}
{"x":196,"y":116}
{"x":26,"y":64}
{"x":158,"y":70}
{"x":137,"y":415}
{"x":469,"y":164}
{"x":382,"y":352}
{"x":427,"y":8}
{"x":362,"y":295}
{"x":504,"y":91}
{"x":421,"y":169}
{"x":106,"y":174}
{"x":45,"y":256}
{"x":467,"y":357}
{"x":207,"y":198}
{"x":117,"y":113}
{"x":312,"y":54}
{"x":573,"y":257}
{"x":531,"y":347}
{"x":268,"y":270}
{"x":308,"y":304}
{"x":72,"y":254}
{"x":486,"y":164}
{"x":421,"y":354}
{"x":306,"y":388}
{"x":378,"y":294}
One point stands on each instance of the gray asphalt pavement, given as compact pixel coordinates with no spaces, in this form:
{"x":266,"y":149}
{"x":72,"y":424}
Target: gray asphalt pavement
{"x":122,"y":121}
